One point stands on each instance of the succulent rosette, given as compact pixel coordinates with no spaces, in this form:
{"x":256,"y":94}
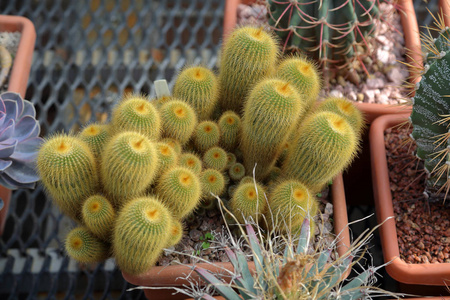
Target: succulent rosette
{"x":19,"y":142}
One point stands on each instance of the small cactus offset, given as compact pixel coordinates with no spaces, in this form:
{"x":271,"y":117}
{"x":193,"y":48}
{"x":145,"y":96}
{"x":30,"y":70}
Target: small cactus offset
{"x":175,"y":233}
{"x":206,"y":135}
{"x":198,"y":87}
{"x":178,"y":120}
{"x":335,"y":33}
{"x":191,"y":161}
{"x":68,"y":172}
{"x":430,"y":114}
{"x":136,"y":113}
{"x":249,"y":54}
{"x":85,"y":247}
{"x":248,"y":201}
{"x":270,"y":114}
{"x":173,"y":143}
{"x":230,"y":127}
{"x":142,"y":230}
{"x":215,"y":158}
{"x":180,"y":190}
{"x":212,"y":182}
{"x":167,"y":157}
{"x":325,"y":146}
{"x":98,"y":215}
{"x":129,"y":165}
{"x":236,"y":171}
{"x":95,"y":135}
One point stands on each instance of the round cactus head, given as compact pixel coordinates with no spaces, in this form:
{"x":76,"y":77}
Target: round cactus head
{"x":175,"y":233}
{"x":212,"y":181}
{"x":95,"y":135}
{"x":248,"y":201}
{"x":179,"y":120}
{"x":167,"y":157}
{"x":215,"y":158}
{"x":206,"y":135}
{"x":173,"y":143}
{"x":191,"y":161}
{"x":99,"y":215}
{"x":230,"y":126}
{"x":236,"y":171}
{"x":85,"y":247}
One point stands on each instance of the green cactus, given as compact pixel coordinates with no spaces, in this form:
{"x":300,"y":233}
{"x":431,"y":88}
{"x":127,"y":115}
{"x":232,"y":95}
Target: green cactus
{"x":248,"y":55}
{"x":236,"y":171}
{"x":198,"y":87}
{"x":180,"y":190}
{"x":129,"y":165}
{"x":206,"y":135}
{"x":275,"y":174}
{"x":85,"y":247}
{"x":178,"y":120}
{"x":68,"y":172}
{"x":230,"y":127}
{"x":99,"y":216}
{"x":430,"y":112}
{"x":337,"y":34}
{"x":173,"y":143}
{"x":304,"y":76}
{"x":191,"y":161}
{"x":345,"y":108}
{"x":142,"y":231}
{"x":290,"y":202}
{"x":231,"y":160}
{"x":246,"y":179}
{"x":248,"y":200}
{"x":167,"y":157}
{"x":215,"y":158}
{"x":175,"y":233}
{"x":325,"y":146}
{"x":270,"y":115}
{"x":136,"y":113}
{"x":212,"y":181}
{"x":95,"y":135}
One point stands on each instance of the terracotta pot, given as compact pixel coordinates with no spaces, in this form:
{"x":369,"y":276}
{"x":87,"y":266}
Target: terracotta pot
{"x":18,"y":79}
{"x":170,"y":276}
{"x":420,"y":274}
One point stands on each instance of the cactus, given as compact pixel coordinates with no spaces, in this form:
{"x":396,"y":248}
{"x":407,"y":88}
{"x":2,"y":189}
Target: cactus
{"x":430,"y":112}
{"x":246,"y":179}
{"x":175,"y":233}
{"x":142,"y":230}
{"x":95,"y":135}
{"x":167,"y":157}
{"x":180,"y":190}
{"x":274,"y":174}
{"x":212,"y":181}
{"x":248,"y":55}
{"x":248,"y":201}
{"x":336,"y":34}
{"x":206,"y":135}
{"x":85,"y":247}
{"x":215,"y":158}
{"x":173,"y":143}
{"x":290,"y":202}
{"x":68,"y":171}
{"x":230,"y":127}
{"x":345,"y":108}
{"x":270,"y":114}
{"x":236,"y":171}
{"x":198,"y":87}
{"x":191,"y":161}
{"x":136,"y":113}
{"x":303,"y":75}
{"x":129,"y":165}
{"x":231,"y":160}
{"x":98,"y":216}
{"x":324,"y":147}
{"x":179,"y":120}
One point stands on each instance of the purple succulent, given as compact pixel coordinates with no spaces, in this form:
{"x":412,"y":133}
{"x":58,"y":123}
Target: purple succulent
{"x":19,"y":142}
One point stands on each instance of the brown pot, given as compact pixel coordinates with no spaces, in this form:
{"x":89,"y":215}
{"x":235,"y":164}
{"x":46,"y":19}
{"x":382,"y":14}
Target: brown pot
{"x":170,"y":276}
{"x":420,"y":274}
{"x":18,"y":79}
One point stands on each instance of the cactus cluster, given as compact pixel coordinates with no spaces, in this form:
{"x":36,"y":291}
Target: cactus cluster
{"x":335,"y":33}
{"x":431,"y":111}
{"x":217,"y":136}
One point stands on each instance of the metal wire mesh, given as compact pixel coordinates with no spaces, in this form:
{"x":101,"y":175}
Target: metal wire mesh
{"x":88,"y":53}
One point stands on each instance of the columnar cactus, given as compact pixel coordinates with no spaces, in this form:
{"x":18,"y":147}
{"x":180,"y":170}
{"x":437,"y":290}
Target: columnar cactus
{"x":431,"y":110}
{"x":335,"y":33}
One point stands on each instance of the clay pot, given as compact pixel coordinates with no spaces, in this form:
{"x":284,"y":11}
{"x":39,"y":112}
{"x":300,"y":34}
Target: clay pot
{"x":419,"y":274}
{"x":18,"y":79}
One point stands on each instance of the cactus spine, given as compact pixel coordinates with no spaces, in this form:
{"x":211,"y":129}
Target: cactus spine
{"x":212,"y":181}
{"x":248,"y":201}
{"x":129,"y":166}
{"x":249,"y":54}
{"x":270,"y":114}
{"x":136,"y":113}
{"x":142,"y":230}
{"x":324,"y":147}
{"x":84,"y":247}
{"x":206,"y":135}
{"x":179,"y":120}
{"x":191,"y":161}
{"x":68,"y":171}
{"x":229,"y":126}
{"x":98,"y":216}
{"x":198,"y":87}
{"x":215,"y":158}
{"x":179,"y":188}
{"x":95,"y":135}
